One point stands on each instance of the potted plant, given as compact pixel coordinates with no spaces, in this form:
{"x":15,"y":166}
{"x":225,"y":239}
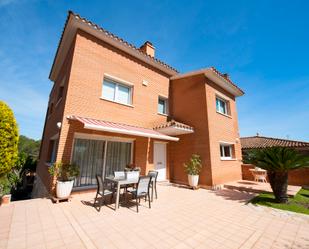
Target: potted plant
{"x":5,"y":191}
{"x":193,"y":168}
{"x":65,"y":175}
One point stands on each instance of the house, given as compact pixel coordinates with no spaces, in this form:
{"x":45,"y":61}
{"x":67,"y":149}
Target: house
{"x":113,"y":104}
{"x":296,"y":177}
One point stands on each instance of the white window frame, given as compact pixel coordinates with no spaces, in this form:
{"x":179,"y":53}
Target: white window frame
{"x":165,"y":99}
{"x":223,"y":156}
{"x":53,"y":155}
{"x":106,"y":139}
{"x":227,"y":106}
{"x":118,"y":83}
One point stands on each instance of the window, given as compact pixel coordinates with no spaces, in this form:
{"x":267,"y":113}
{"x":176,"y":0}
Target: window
{"x":162,"y":105}
{"x":60,"y":93}
{"x":226,"y":151}
{"x":52,"y":150}
{"x":222,"y":106}
{"x":51,"y":109}
{"x":116,"y":92}
{"x":99,"y":157}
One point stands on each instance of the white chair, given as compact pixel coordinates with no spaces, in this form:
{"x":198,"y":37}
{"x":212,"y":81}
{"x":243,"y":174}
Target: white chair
{"x":132,"y":175}
{"x":259,"y":174}
{"x":119,"y":174}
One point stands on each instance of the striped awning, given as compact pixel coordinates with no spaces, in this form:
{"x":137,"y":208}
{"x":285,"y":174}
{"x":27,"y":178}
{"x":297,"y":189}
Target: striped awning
{"x":102,"y":125}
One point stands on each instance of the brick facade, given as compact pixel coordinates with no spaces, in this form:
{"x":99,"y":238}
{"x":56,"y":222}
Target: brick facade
{"x":192,"y":100}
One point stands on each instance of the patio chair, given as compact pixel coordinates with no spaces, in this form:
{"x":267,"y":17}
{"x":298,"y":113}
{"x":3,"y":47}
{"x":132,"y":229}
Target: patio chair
{"x":121,"y":174}
{"x":153,"y":184}
{"x":132,"y":175}
{"x":142,"y":190}
{"x":102,"y":191}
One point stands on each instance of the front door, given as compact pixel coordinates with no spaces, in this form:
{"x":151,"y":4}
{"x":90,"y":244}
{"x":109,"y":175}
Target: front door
{"x":159,"y":158}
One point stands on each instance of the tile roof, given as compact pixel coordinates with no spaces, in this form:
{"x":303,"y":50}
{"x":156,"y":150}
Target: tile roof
{"x":211,"y":70}
{"x":173,"y":123}
{"x":111,"y":35}
{"x":258,"y":142}
{"x":226,"y":78}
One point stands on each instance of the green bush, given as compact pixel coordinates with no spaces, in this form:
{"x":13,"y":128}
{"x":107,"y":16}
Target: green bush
{"x":194,"y":166}
{"x":5,"y":186}
{"x":64,"y":172}
{"x":8,"y":139}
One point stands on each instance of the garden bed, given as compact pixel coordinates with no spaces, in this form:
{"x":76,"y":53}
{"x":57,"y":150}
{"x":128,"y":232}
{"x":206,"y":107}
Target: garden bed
{"x":299,"y":203}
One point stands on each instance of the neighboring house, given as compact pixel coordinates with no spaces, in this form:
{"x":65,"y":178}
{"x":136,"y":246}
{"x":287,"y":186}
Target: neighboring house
{"x":113,"y":104}
{"x":260,"y":142}
{"x":296,"y":177}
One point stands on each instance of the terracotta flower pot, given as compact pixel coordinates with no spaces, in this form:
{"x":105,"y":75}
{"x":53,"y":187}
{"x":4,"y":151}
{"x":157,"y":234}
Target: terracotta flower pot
{"x":6,"y":199}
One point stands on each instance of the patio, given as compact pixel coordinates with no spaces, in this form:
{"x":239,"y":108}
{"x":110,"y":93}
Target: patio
{"x":180,"y":218}
{"x":258,"y":187}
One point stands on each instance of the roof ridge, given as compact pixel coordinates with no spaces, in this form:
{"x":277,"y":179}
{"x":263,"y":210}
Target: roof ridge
{"x":226,"y":78}
{"x":276,"y":138}
{"x":132,"y":46}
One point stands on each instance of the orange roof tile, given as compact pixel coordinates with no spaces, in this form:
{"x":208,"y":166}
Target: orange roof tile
{"x":258,"y":142}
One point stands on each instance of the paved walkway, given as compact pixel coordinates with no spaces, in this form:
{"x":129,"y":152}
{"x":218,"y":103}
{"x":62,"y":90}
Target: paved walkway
{"x":180,"y":218}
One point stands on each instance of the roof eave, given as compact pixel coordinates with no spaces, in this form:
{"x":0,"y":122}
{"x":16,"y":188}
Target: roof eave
{"x":74,"y":22}
{"x":215,"y":77}
{"x":220,"y":81}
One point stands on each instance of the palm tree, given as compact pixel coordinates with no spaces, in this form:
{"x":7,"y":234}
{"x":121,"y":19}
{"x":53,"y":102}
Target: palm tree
{"x":278,"y":161}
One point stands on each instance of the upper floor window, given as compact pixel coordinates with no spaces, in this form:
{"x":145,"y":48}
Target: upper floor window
{"x":117,"y":92}
{"x":52,"y":150}
{"x":50,"y":109}
{"x":222,"y":106}
{"x":60,"y":93}
{"x":162,"y":105}
{"x":226,"y":151}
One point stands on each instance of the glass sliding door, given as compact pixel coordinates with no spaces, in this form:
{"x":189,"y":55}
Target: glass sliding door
{"x":118,"y":156}
{"x":89,"y":156}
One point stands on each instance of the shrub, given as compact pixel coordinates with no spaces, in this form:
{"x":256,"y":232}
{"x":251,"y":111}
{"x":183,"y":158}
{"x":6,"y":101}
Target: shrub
{"x":194,"y":166}
{"x":8,"y":138}
{"x":5,"y":186}
{"x":64,"y":172}
{"x":278,"y":161}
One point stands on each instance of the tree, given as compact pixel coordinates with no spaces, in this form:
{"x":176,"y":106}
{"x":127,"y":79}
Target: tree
{"x":278,"y":161}
{"x":8,"y":138}
{"x":29,"y":146}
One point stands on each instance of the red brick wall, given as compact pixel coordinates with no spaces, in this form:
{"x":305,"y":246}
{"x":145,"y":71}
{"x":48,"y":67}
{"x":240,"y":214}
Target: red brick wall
{"x":188,"y":105}
{"x":193,"y":101}
{"x":50,"y":127}
{"x":298,"y":177}
{"x":222,"y":128}
{"x":142,"y":153}
{"x":90,"y":59}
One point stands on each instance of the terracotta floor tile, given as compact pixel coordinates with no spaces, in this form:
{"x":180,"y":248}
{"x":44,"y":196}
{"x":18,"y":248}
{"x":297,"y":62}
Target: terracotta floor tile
{"x":179,"y":218}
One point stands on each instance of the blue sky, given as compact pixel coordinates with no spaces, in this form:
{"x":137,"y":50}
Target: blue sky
{"x":263,"y":45}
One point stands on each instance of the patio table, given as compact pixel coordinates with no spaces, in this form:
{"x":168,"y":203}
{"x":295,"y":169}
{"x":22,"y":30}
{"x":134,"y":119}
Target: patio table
{"x":120,"y":181}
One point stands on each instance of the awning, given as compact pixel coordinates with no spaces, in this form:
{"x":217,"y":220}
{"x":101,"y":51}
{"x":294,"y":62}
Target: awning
{"x":101,"y":125}
{"x":174,"y":128}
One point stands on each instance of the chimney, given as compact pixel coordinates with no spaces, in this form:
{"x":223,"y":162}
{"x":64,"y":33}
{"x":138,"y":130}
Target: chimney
{"x":226,"y":75}
{"x":148,"y":49}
